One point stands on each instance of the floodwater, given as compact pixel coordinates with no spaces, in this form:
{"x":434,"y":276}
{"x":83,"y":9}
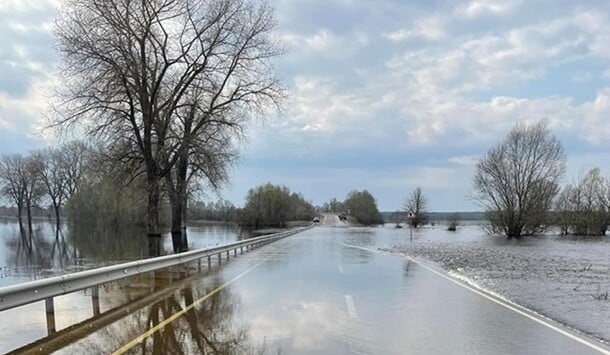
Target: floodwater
{"x":322,"y":291}
{"x":566,"y":278}
{"x":78,"y":248}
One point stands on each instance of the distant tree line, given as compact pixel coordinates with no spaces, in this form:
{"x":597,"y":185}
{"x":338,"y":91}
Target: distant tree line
{"x":221,"y":210}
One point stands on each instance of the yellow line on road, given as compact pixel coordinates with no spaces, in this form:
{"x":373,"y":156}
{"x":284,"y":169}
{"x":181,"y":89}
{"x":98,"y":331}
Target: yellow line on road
{"x":500,"y":302}
{"x":175,"y":316}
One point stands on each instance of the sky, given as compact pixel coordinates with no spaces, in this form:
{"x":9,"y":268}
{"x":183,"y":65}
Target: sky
{"x":384,"y":95}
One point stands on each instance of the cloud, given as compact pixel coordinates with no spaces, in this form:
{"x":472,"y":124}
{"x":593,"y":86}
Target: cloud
{"x":595,"y":119}
{"x":321,"y":41}
{"x":479,"y":8}
{"x":465,"y":159}
{"x":386,"y":94}
{"x":429,"y":28}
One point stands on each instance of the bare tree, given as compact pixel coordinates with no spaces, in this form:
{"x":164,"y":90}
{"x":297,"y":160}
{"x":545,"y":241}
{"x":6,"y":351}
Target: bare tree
{"x":454,"y":221}
{"x":417,"y":206}
{"x":48,"y":165}
{"x":563,"y":209}
{"x":74,"y":156}
{"x":518,"y":179}
{"x":131,"y":66}
{"x":34,"y":188}
{"x":583,"y":207}
{"x":207,"y":160}
{"x":13,"y":185}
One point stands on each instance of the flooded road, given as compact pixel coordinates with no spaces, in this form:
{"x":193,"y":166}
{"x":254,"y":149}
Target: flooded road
{"x":318,"y":292}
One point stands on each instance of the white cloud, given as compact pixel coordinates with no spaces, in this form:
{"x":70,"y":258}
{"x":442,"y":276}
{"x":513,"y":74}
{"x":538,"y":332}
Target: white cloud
{"x":25,"y":115}
{"x":479,"y":8}
{"x":322,"y":41}
{"x":595,"y":123}
{"x":465,"y":159}
{"x":15,"y":6}
{"x":446,"y":79}
{"x":429,"y":28}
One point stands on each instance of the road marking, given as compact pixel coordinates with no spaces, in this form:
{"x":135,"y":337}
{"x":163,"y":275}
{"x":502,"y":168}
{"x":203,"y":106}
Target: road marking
{"x":351,"y":308}
{"x":177,"y":315}
{"x":497,"y":301}
{"x":340,"y":268}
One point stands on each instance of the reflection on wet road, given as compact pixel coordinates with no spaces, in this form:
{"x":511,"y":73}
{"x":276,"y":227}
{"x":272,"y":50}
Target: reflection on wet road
{"x":311,"y":293}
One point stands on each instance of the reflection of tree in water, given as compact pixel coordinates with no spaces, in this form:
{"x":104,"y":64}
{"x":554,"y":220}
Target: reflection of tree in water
{"x":107,"y":244}
{"x":49,"y":251}
{"x":44,"y":251}
{"x":207,"y":328}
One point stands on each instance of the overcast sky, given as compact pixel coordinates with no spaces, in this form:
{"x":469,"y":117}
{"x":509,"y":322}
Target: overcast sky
{"x":385,"y":95}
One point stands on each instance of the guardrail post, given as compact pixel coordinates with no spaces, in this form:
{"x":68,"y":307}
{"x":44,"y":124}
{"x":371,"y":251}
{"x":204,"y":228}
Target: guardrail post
{"x":50,"y":310}
{"x":227,"y":255}
{"x":95,"y":300}
{"x":209,"y":261}
{"x":199,"y":265}
{"x":241,"y":250}
{"x":219,"y":258}
{"x":235,"y":252}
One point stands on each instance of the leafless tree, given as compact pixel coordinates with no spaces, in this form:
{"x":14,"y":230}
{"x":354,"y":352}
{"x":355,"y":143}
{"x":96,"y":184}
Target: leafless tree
{"x":417,"y":205}
{"x":13,"y":185}
{"x":74,"y":156}
{"x":454,"y":221}
{"x":583,"y":206}
{"x":34,"y":188}
{"x":48,"y":165}
{"x":563,"y":209}
{"x":131,"y":67}
{"x":518,"y":179}
{"x":206,"y":162}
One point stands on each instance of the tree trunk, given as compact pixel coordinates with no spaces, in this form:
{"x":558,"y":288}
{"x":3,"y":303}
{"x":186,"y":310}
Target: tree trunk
{"x":179,"y":196}
{"x":176,"y":222}
{"x":152,"y":227}
{"x":20,"y":217}
{"x":57,"y":220}
{"x":28,"y":208}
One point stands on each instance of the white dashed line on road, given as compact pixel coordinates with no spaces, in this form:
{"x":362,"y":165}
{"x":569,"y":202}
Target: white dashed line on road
{"x":351,"y":308}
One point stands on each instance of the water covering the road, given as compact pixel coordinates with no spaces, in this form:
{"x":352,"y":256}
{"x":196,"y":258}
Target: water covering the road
{"x":315,"y":293}
{"x":564,"y":278}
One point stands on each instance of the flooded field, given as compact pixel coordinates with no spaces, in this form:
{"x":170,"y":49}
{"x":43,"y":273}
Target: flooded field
{"x":564,"y":278}
{"x":53,"y":253}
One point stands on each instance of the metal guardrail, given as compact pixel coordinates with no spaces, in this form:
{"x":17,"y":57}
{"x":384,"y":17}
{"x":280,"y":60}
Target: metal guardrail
{"x":45,"y":289}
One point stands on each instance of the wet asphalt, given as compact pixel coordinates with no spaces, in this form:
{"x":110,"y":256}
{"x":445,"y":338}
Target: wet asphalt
{"x":318,"y":292}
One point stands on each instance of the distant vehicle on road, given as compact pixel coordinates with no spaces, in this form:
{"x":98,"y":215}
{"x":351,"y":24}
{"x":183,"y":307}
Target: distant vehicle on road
{"x":342,"y":217}
{"x":316,"y":220}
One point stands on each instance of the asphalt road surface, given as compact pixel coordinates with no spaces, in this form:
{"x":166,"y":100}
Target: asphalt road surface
{"x":318,"y":292}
